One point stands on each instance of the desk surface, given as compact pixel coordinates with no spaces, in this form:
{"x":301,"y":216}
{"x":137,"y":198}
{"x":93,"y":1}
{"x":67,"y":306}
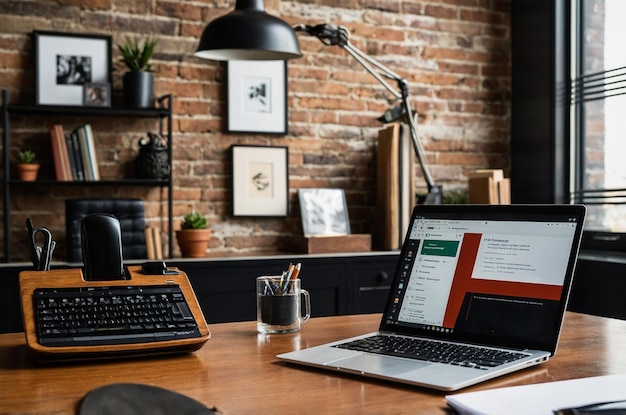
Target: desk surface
{"x":237,"y":372}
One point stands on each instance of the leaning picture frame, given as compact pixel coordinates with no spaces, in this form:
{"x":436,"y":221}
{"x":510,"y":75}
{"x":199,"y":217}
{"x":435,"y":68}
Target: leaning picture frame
{"x":260,"y":180}
{"x":257,"y":97}
{"x":324,"y":212}
{"x":65,"y":62}
{"x":97,"y":95}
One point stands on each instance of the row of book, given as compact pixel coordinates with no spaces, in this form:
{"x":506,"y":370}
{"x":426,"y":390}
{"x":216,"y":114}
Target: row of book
{"x":154,"y":246}
{"x":74,"y":154}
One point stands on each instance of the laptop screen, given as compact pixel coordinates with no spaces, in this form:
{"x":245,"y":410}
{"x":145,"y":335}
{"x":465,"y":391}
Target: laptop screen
{"x":497,"y":275}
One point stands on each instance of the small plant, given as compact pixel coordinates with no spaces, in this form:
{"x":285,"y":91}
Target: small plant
{"x":455,"y":197}
{"x":136,"y":54}
{"x":194,"y":220}
{"x":27,"y":157}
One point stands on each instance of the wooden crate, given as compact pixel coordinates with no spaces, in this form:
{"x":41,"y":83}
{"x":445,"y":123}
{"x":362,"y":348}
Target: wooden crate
{"x":336,"y":243}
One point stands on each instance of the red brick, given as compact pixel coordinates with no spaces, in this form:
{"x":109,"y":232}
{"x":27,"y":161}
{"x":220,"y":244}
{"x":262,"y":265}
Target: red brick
{"x":453,"y":53}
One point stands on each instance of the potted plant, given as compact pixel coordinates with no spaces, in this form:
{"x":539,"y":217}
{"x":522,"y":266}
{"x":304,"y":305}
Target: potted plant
{"x":139,"y":79}
{"x":193,"y":236}
{"x":27,"y":167}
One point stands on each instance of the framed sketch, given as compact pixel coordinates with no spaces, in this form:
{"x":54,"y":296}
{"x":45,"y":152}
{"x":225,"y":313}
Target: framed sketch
{"x":324,"y":212}
{"x":260,"y":181}
{"x":97,"y":95}
{"x":257,"y":96}
{"x":66,"y":62}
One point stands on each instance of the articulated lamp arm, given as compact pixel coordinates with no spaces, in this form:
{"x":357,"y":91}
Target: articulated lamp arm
{"x":338,"y":35}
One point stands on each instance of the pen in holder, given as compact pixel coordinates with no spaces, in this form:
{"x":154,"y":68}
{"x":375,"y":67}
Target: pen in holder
{"x":279,"y":305}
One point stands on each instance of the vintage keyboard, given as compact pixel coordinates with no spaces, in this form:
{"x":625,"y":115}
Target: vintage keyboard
{"x":71,"y":316}
{"x":67,"y":318}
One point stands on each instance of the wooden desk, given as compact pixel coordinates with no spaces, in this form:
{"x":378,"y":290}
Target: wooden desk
{"x":237,"y":371}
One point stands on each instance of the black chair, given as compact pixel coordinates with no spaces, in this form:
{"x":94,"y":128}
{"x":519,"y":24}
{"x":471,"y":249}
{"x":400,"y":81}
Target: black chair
{"x":129,"y":212}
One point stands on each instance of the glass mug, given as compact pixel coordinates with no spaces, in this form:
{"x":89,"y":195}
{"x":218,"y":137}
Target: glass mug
{"x":279,"y":308}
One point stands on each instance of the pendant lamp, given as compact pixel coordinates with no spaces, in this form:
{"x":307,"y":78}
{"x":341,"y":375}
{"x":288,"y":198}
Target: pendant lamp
{"x":248,"y":33}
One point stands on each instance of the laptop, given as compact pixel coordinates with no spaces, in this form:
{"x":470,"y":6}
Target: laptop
{"x":490,"y":280}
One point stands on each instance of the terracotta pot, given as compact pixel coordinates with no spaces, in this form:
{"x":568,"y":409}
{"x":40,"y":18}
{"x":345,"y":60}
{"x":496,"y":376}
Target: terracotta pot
{"x":28,"y":172}
{"x":193,"y":243}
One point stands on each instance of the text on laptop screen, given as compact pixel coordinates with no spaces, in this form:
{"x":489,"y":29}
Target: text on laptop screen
{"x":459,"y":274}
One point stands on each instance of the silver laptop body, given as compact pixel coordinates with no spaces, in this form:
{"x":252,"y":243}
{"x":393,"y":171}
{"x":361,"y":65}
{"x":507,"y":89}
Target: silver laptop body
{"x":497,"y":277}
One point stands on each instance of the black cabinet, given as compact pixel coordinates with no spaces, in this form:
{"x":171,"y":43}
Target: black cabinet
{"x":338,"y":284}
{"x":371,"y":282}
{"x":162,"y":113}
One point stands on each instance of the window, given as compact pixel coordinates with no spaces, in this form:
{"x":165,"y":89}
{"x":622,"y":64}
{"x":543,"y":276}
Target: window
{"x":598,"y":116}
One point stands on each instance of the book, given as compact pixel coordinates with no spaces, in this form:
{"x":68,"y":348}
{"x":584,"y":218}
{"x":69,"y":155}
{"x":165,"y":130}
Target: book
{"x":70,"y":152}
{"x":158,"y":247}
{"x":149,"y":242}
{"x":88,"y":153}
{"x":395,"y":184}
{"x":77,"y":156}
{"x":91,"y":153}
{"x":84,"y":156}
{"x":406,"y":175}
{"x":387,"y":186}
{"x":60,"y":154}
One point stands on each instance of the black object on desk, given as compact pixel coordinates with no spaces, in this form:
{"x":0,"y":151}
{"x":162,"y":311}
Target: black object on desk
{"x":138,"y":399}
{"x":40,"y":253}
{"x":101,"y":237}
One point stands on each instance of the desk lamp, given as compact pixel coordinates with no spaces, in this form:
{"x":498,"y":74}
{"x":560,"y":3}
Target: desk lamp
{"x":338,"y":35}
{"x":248,"y":33}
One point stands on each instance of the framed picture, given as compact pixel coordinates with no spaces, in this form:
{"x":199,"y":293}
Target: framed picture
{"x":324,"y":212}
{"x":66,"y":62}
{"x":97,"y":95}
{"x":260,"y":181}
{"x":257,"y":96}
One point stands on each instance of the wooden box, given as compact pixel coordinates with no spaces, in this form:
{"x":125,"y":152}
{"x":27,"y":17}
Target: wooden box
{"x":336,"y":243}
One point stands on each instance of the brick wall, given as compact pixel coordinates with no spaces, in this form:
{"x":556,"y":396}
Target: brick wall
{"x":454,"y":54}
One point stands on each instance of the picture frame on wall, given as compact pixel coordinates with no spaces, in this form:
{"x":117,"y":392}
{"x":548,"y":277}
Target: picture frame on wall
{"x":257,"y":97}
{"x":97,"y":95}
{"x":260,"y":180}
{"x":324,"y":212}
{"x":66,"y":62}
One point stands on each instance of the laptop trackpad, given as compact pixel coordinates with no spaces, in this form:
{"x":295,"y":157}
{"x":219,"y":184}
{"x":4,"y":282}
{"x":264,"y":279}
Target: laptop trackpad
{"x":376,"y":364}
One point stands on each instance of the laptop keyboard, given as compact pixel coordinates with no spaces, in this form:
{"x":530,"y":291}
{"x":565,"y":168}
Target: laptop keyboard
{"x":434,"y":351}
{"x":112,"y":315}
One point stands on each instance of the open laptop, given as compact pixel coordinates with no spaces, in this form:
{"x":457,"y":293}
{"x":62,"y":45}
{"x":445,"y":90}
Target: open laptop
{"x":494,"y":276}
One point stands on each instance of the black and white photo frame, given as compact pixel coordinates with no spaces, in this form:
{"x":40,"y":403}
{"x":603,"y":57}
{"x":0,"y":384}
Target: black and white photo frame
{"x":66,"y":62}
{"x":260,"y":180}
{"x":257,"y":97}
{"x":324,"y":212}
{"x":97,"y":95}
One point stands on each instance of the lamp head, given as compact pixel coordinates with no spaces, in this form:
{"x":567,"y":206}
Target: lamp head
{"x":248,"y":33}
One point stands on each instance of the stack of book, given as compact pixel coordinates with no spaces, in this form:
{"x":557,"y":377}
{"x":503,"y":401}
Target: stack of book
{"x":74,"y":154}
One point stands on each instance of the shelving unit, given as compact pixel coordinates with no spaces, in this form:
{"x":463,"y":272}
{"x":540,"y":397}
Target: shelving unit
{"x":162,"y":112}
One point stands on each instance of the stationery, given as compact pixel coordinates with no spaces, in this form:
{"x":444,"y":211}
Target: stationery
{"x":541,"y":398}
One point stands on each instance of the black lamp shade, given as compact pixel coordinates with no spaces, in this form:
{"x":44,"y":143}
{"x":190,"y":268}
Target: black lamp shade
{"x":248,"y":33}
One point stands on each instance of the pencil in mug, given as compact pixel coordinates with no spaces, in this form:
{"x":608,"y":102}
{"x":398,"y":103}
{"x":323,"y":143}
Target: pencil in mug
{"x":292,"y":276}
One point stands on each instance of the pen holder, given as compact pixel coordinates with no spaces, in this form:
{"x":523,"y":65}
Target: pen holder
{"x":279,"y":305}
